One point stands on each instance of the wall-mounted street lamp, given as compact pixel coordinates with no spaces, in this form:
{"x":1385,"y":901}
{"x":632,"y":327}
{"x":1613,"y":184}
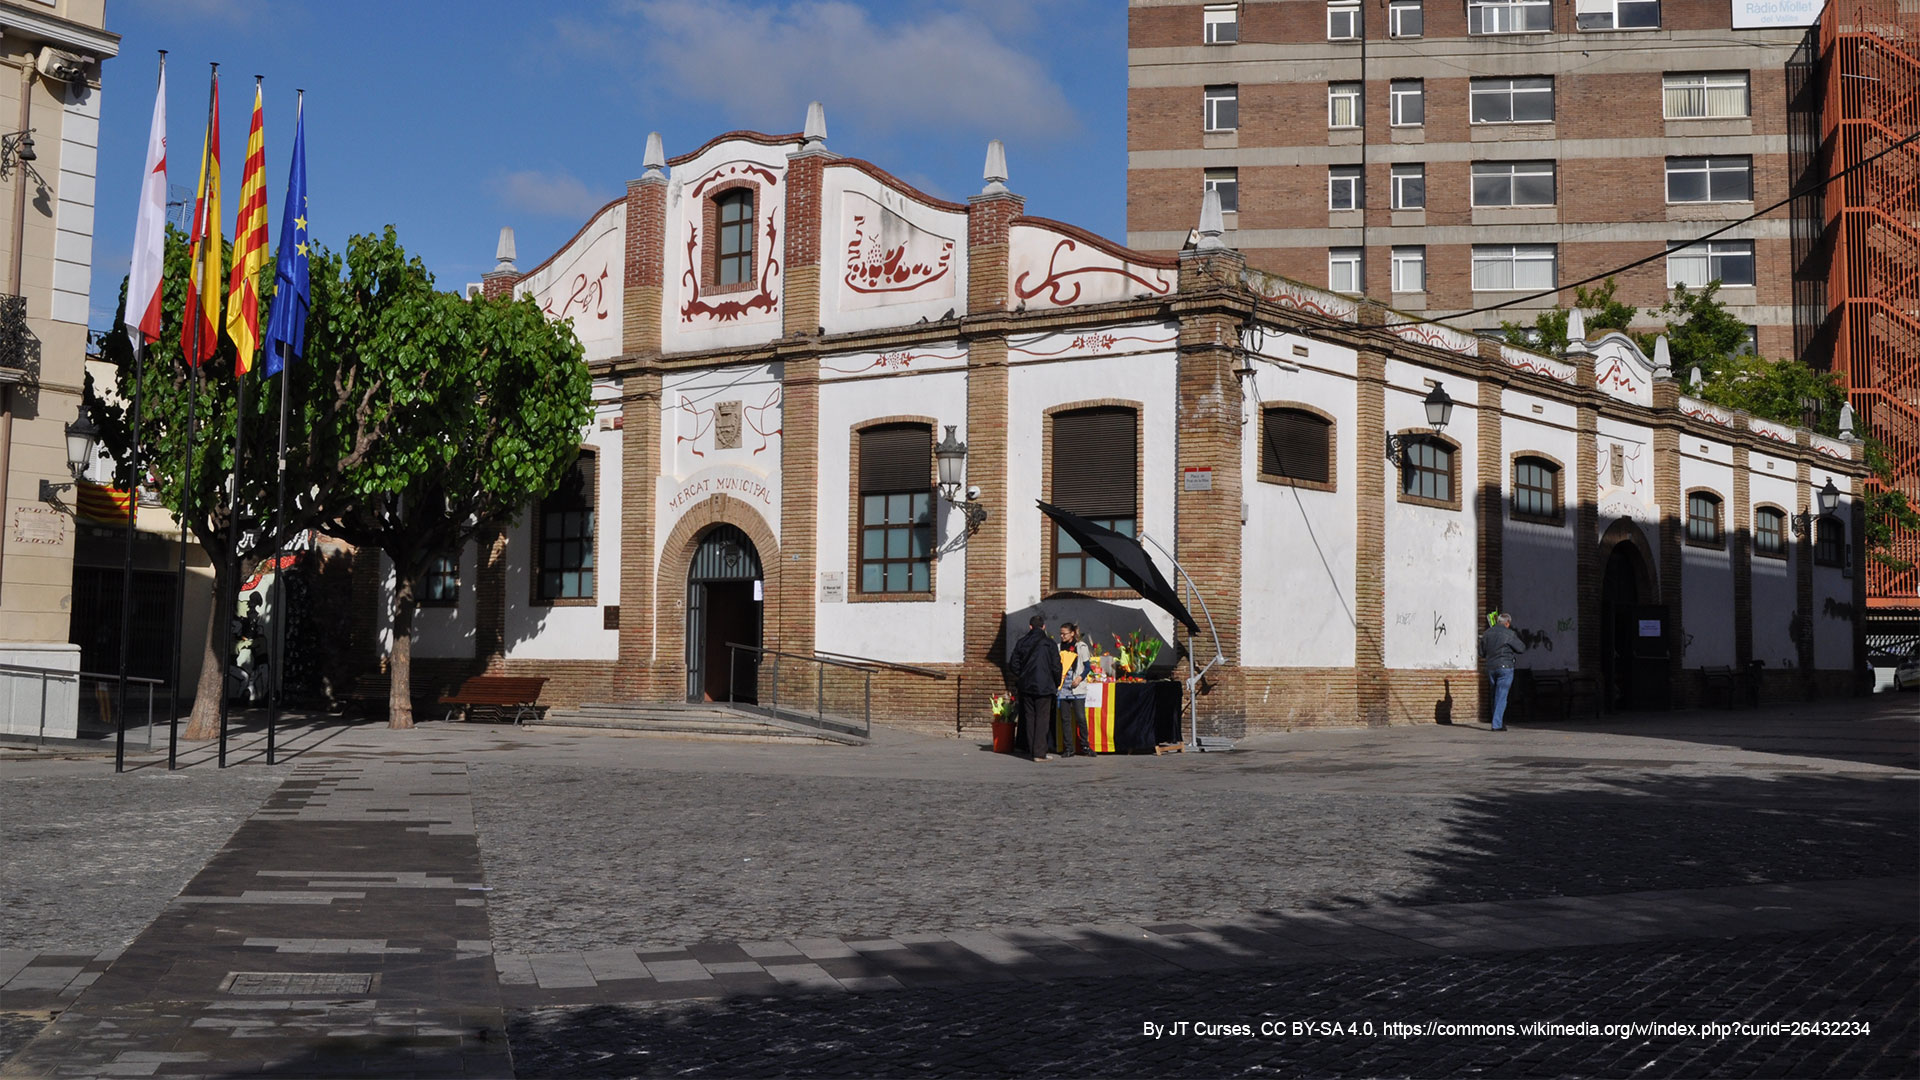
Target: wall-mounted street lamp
{"x":951,"y":455}
{"x":82,"y":436}
{"x":16,"y":148}
{"x":1829,"y":497}
{"x":1439,"y":411}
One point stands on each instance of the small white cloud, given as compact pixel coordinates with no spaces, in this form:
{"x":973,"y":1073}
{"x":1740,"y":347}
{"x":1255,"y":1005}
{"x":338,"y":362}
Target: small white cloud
{"x":548,"y":194}
{"x":937,"y":68}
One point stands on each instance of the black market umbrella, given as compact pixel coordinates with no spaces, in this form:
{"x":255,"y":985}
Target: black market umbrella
{"x":1124,"y":556}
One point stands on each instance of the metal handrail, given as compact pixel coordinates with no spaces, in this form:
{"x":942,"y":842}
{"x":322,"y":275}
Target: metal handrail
{"x":866,"y":669}
{"x":889,"y":665}
{"x":47,"y":673}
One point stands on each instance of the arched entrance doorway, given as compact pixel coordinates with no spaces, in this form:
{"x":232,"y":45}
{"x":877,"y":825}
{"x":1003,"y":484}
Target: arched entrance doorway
{"x":723,"y":607}
{"x":1633,"y":654}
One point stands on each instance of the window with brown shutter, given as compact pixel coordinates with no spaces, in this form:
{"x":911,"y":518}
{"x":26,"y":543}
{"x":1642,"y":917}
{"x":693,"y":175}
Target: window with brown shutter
{"x":1296,"y":445}
{"x":1095,"y":474}
{"x":896,"y":508}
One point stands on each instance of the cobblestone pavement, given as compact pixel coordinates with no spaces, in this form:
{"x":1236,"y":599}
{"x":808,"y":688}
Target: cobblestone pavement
{"x":661,"y":906}
{"x":1089,"y":1027}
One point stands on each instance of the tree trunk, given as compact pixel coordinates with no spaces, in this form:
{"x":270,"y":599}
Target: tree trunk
{"x":204,"y":722}
{"x":400,"y":661}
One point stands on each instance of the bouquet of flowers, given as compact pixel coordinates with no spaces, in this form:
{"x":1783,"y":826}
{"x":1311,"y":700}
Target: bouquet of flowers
{"x":1137,"y":651}
{"x":1001,"y":706}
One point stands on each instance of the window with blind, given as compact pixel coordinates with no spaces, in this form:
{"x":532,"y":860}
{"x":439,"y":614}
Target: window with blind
{"x":1296,"y":446}
{"x":1705,"y":95}
{"x":896,"y":508}
{"x":733,"y":259}
{"x":1536,"y":490}
{"x":565,"y":543}
{"x":1094,"y":473}
{"x":1427,"y":471}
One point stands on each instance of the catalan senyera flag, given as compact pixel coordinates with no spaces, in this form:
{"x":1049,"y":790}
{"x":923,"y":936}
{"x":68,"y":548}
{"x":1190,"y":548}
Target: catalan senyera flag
{"x":200,"y":322}
{"x":104,"y":505}
{"x":249,"y":248}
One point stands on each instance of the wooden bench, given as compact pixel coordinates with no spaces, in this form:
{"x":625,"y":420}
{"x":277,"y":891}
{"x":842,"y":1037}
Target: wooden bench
{"x":1732,"y":687}
{"x":1561,"y":694}
{"x":493,"y":694}
{"x":370,"y":692}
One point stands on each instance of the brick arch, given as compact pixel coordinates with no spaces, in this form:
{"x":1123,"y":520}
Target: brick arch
{"x":1627,"y":531}
{"x":670,"y":586}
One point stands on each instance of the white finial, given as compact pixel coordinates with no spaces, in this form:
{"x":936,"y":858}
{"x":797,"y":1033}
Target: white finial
{"x":995,"y":173}
{"x":656,"y":159}
{"x":1211,"y":223}
{"x":504,"y":253}
{"x":1576,"y":326}
{"x":1847,"y":433}
{"x":1696,"y":379}
{"x":1662,"y":357}
{"x":815,"y":136}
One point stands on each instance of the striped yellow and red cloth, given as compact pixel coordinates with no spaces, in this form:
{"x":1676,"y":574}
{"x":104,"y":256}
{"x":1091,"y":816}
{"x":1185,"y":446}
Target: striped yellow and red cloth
{"x":1100,"y":697}
{"x":104,"y":505}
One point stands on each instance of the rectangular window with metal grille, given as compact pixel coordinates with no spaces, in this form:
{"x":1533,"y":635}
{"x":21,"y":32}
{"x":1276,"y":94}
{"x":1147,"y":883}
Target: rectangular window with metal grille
{"x":896,"y":509}
{"x":566,"y":537}
{"x":1095,"y":474}
{"x":1296,"y":445}
{"x":1427,"y":471}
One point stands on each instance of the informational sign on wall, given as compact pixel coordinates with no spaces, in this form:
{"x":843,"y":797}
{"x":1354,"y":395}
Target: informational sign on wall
{"x":833,"y":586}
{"x":1197,"y":479}
{"x":1760,"y":14}
{"x":38,"y":525}
{"x":1649,"y":627}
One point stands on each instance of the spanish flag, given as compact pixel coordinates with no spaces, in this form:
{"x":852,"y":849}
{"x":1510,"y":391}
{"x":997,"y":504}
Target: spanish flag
{"x":103,"y":505}
{"x":249,"y":248}
{"x":201,"y":320}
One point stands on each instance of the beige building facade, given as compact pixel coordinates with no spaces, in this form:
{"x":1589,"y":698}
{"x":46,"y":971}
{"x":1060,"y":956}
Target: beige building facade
{"x":50,"y":61}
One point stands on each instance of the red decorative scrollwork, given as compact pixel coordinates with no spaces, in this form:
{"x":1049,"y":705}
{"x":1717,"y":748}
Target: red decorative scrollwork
{"x":588,"y":293}
{"x":1055,"y":281}
{"x":874,"y":269}
{"x":729,"y":310}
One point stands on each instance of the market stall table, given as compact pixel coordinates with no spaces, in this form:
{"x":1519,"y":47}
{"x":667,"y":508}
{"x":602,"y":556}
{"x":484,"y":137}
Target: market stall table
{"x":1123,"y":716}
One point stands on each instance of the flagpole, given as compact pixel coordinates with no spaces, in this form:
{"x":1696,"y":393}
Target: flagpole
{"x":126,"y":573}
{"x":282,"y":594}
{"x":186,"y":494}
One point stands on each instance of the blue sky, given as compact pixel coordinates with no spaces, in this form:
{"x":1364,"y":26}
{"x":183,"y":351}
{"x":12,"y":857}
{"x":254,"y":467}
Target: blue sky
{"x":451,"y":118}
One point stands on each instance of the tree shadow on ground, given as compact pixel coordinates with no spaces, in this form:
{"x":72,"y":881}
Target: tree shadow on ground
{"x":1868,"y":731}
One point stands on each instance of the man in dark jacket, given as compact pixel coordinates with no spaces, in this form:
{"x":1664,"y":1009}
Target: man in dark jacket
{"x":1034,"y":667}
{"x":1498,"y":647}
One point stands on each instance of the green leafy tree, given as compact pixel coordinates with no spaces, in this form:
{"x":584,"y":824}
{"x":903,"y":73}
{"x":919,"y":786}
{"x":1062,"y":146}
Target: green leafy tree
{"x":462,"y":413}
{"x":1549,"y":328}
{"x":169,"y":388}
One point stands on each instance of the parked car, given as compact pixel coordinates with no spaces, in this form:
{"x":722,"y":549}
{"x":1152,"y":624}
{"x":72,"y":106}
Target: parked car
{"x":1907,"y":675}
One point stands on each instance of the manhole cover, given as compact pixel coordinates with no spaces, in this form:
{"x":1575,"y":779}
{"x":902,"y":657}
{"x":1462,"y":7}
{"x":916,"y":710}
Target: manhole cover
{"x":298,"y":983}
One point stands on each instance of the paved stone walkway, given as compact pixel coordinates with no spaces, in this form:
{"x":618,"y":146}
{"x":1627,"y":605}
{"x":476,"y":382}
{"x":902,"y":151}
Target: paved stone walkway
{"x":417,"y":903}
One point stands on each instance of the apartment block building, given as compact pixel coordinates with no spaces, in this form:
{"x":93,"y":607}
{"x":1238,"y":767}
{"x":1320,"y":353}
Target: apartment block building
{"x":1449,"y":155}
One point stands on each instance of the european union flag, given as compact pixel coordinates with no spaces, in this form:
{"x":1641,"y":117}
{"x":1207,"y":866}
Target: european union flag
{"x":287,"y":318}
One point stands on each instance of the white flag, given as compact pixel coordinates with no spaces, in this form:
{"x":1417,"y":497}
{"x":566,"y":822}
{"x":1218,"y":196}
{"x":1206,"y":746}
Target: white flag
{"x":150,"y":228}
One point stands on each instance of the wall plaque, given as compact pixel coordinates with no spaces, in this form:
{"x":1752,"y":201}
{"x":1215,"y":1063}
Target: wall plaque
{"x":726,"y":425}
{"x":833,"y":586}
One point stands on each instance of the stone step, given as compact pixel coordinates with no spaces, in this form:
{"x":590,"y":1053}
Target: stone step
{"x":701,"y":720}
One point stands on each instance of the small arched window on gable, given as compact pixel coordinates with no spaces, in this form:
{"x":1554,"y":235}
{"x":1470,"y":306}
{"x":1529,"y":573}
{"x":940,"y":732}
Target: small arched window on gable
{"x":733,"y":238}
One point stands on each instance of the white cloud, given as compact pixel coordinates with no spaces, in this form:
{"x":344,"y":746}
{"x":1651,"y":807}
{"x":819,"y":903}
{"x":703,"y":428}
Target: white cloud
{"x":549,"y":194}
{"x":938,"y":68}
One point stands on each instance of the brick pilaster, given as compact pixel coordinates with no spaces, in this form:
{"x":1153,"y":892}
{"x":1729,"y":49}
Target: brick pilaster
{"x":1586,"y":518}
{"x":986,"y":551}
{"x":1741,"y":548}
{"x":490,"y":601}
{"x":989,"y":217}
{"x":801,"y":304}
{"x":639,"y":477}
{"x":1207,"y":530}
{"x":1370,"y":547}
{"x":1491,"y":507}
{"x":496,"y":284}
{"x":1803,"y":613}
{"x":792,"y":630}
{"x":1667,"y":492}
{"x":645,"y":259}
